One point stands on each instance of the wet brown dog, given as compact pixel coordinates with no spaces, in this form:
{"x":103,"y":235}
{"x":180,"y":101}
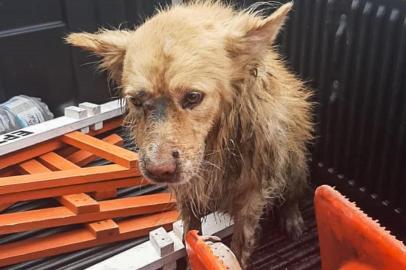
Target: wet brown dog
{"x":214,"y":112}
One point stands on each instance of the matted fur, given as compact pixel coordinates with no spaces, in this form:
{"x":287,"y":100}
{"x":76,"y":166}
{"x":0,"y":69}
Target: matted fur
{"x":244,"y":146}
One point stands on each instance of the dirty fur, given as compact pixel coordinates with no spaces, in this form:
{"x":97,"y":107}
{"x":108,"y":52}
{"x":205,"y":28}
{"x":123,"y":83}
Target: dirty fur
{"x":243,"y":148}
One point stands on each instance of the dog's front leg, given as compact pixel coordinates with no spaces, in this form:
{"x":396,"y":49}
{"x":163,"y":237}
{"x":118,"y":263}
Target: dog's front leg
{"x":246,"y":223}
{"x":190,"y":221}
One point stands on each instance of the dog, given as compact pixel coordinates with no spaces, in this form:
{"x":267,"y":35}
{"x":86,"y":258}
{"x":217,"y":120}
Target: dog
{"x":215,"y":112}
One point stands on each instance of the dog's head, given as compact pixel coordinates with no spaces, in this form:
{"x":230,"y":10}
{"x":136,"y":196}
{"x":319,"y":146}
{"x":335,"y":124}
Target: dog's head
{"x":176,"y":72}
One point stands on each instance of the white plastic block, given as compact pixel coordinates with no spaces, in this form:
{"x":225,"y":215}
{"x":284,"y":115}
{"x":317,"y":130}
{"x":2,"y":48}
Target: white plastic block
{"x":75,"y":112}
{"x":161,"y":241}
{"x":217,"y":224}
{"x":92,"y":109}
{"x":85,"y":130}
{"x":97,"y":126}
{"x":178,"y":229}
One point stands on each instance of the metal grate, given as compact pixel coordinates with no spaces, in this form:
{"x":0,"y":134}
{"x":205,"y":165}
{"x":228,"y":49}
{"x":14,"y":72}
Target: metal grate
{"x":353,"y":53}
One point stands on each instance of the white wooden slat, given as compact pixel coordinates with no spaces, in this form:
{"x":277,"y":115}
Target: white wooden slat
{"x":31,"y":135}
{"x":145,"y":256}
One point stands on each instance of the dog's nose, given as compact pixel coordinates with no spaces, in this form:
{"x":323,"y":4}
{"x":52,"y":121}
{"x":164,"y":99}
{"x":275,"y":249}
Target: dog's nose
{"x":162,"y":171}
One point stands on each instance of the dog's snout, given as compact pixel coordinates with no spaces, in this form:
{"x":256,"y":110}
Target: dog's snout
{"x":161,"y":171}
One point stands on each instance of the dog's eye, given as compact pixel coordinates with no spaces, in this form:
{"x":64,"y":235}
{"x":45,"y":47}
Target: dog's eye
{"x":135,"y":100}
{"x":192,"y":99}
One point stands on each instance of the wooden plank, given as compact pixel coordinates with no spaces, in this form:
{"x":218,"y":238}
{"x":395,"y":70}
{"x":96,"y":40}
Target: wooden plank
{"x":82,"y":157}
{"x":4,"y":173}
{"x":103,"y":149}
{"x":48,"y":146}
{"x":60,"y":216}
{"x":107,"y":194}
{"x":20,"y":183}
{"x":56,"y":162}
{"x":81,"y":238}
{"x":55,"y":128}
{"x":108,"y":126}
{"x":71,"y":189}
{"x":104,"y":228}
{"x":77,"y":203}
{"x":29,"y":153}
{"x":33,"y":166}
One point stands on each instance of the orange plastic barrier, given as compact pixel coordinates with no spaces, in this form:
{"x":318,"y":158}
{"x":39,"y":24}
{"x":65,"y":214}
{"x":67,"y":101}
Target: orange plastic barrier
{"x":200,"y":255}
{"x":350,"y":240}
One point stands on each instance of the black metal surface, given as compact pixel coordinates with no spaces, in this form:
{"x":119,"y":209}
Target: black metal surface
{"x":352,"y":53}
{"x":275,"y":251}
{"x":35,"y":60}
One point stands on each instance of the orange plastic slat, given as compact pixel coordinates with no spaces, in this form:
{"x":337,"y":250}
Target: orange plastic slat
{"x":29,"y":153}
{"x":21,"y":183}
{"x":51,"y":145}
{"x":71,"y":189}
{"x":107,"y":126}
{"x":82,"y":157}
{"x":101,"y":148}
{"x":104,"y":228}
{"x":82,"y":238}
{"x":33,"y":166}
{"x":104,"y":195}
{"x":4,"y":173}
{"x":57,"y":162}
{"x":349,"y":238}
{"x":80,"y":203}
{"x":59,"y":216}
{"x":77,"y":203}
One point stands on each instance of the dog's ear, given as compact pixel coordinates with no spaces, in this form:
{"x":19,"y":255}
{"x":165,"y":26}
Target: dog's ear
{"x":258,"y":35}
{"x":110,"y":45}
{"x":267,"y":30}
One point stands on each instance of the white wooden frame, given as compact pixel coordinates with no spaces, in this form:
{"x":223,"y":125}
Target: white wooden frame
{"x":146,"y":256}
{"x":82,"y":117}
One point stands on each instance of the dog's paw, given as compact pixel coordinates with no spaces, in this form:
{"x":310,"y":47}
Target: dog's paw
{"x":210,"y":238}
{"x":291,"y":222}
{"x":293,"y":227}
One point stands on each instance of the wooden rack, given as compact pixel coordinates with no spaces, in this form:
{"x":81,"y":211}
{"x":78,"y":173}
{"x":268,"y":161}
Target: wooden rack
{"x":86,"y":195}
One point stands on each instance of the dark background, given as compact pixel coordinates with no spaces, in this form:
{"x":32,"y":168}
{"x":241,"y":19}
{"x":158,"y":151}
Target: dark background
{"x":351,"y":52}
{"x":35,"y":61}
